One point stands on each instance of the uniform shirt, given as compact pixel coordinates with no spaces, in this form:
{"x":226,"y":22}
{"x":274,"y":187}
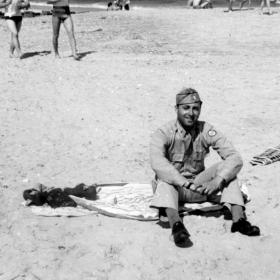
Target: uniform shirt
{"x":177,"y":156}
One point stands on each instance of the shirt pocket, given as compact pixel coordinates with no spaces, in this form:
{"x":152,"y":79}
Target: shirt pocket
{"x":198,"y":159}
{"x":177,"y":160}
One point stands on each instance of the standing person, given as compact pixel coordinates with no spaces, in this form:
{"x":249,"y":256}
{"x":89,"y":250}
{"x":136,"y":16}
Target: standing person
{"x":267,"y":3}
{"x":242,"y":3}
{"x":61,"y":14}
{"x":177,"y":153}
{"x":13,"y":17}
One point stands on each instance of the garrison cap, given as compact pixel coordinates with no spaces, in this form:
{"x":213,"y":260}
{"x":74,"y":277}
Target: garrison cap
{"x":187,"y":96}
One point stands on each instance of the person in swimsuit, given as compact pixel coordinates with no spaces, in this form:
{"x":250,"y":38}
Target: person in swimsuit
{"x":13,"y":17}
{"x":61,"y":14}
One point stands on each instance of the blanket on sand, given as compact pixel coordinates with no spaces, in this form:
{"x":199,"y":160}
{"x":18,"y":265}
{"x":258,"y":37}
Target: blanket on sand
{"x":125,"y":201}
{"x":48,"y":211}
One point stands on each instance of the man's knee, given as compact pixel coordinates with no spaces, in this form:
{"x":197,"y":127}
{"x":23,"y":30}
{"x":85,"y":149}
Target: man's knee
{"x":165,"y":186}
{"x":165,"y":195}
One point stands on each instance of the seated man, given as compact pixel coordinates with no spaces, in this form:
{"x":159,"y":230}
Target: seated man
{"x":177,"y":153}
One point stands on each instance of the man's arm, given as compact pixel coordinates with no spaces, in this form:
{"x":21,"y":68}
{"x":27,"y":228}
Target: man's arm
{"x":163,"y":168}
{"x":232,"y":161}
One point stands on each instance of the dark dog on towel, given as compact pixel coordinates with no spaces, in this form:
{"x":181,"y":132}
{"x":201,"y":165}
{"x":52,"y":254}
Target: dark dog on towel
{"x":58,"y":197}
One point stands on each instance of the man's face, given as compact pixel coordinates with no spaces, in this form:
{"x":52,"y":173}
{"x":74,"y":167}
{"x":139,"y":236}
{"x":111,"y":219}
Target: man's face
{"x":188,"y":114}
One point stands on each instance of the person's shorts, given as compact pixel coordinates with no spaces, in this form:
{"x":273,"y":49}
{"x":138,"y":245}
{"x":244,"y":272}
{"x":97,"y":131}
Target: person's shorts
{"x":16,"y":19}
{"x":61,"y":12}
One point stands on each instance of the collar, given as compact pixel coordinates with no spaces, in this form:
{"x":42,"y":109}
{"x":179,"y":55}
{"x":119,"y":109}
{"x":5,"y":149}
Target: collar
{"x":180,"y":129}
{"x":183,"y":132}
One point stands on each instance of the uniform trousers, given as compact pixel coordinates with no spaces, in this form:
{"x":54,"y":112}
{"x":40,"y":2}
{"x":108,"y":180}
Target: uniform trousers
{"x":169,"y":196}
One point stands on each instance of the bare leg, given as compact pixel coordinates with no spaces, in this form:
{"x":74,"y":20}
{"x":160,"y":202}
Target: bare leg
{"x":18,"y":27}
{"x":268,"y":6}
{"x":190,"y":3}
{"x":69,"y":27}
{"x":230,"y":3}
{"x":56,"y":27}
{"x":242,"y":4}
{"x":262,"y":4}
{"x":14,"y":45}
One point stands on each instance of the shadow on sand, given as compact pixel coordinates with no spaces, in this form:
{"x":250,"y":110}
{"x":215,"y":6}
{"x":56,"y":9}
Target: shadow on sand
{"x":224,"y":212}
{"x":31,"y":54}
{"x":218,"y":213}
{"x":271,"y":13}
{"x":240,"y":10}
{"x":215,"y":214}
{"x":84,"y":54}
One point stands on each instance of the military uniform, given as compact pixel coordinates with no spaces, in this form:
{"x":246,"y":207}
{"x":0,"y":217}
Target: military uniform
{"x":177,"y":158}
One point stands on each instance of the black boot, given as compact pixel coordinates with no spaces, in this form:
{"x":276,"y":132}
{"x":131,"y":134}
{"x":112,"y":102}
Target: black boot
{"x":245,"y":228}
{"x":181,"y":235}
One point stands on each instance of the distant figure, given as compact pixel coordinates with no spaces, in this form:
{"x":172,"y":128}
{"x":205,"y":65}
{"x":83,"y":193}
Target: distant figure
{"x":242,"y":3}
{"x":61,"y":14}
{"x":200,"y":4}
{"x":118,"y":5}
{"x":13,"y":17}
{"x":267,"y":3}
{"x":113,"y":5}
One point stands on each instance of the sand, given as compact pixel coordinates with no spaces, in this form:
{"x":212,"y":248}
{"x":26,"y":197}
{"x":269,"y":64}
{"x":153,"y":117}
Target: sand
{"x":65,"y":122}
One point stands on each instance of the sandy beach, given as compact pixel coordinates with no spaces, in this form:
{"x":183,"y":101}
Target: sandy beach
{"x":64,"y":122}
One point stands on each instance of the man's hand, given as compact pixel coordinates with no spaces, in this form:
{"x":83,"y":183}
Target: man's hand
{"x":188,"y":184}
{"x":211,"y":187}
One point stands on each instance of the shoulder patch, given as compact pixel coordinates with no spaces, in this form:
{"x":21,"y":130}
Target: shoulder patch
{"x":212,"y":132}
